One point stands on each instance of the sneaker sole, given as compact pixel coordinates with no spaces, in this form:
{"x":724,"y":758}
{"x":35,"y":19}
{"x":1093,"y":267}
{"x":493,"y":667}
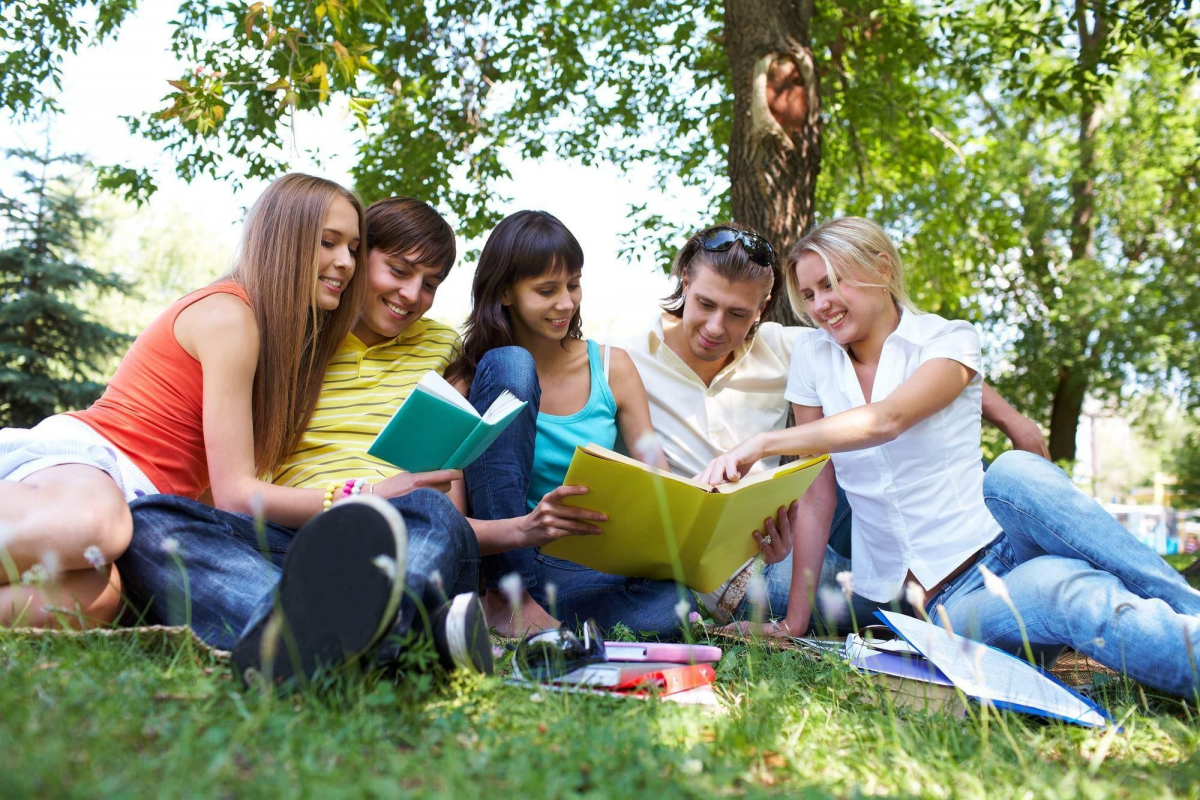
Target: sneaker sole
{"x":466,"y":635}
{"x":341,"y":586}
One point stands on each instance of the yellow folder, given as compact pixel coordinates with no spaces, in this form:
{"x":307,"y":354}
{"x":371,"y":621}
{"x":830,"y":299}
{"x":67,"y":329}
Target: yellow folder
{"x":657,"y":519}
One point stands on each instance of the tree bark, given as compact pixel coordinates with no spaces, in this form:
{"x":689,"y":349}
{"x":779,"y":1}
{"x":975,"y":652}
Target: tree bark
{"x":775,"y":140}
{"x":1073,"y":379}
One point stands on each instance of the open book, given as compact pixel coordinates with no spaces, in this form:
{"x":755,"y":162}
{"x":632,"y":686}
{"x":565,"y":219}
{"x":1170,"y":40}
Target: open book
{"x":437,"y":428}
{"x":657,"y":519}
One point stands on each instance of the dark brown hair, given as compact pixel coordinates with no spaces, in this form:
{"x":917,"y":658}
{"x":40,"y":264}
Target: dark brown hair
{"x":277,"y":264}
{"x":527,"y":244}
{"x":733,"y":265}
{"x":409,"y":228}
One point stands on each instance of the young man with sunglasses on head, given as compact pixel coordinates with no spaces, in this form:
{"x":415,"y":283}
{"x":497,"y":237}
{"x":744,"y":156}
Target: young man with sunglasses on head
{"x":715,"y":374}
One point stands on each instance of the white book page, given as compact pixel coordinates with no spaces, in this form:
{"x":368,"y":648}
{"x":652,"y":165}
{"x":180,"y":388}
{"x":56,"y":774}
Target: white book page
{"x":503,"y":404}
{"x":988,"y":674}
{"x":434,"y":384}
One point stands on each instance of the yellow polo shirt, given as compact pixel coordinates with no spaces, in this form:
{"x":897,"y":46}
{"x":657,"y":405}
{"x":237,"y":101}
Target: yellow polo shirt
{"x":362,"y":389}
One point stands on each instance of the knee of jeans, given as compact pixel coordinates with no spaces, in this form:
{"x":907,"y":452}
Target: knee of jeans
{"x":1013,"y":465}
{"x":514,"y":367}
{"x":443,"y":516}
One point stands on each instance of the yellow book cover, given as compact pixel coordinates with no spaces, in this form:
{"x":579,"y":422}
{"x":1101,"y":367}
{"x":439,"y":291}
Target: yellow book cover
{"x":656,"y":519}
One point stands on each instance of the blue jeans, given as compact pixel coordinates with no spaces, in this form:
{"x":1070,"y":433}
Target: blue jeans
{"x":1078,"y":579}
{"x":497,"y":485}
{"x":831,"y":613}
{"x":219,"y":576}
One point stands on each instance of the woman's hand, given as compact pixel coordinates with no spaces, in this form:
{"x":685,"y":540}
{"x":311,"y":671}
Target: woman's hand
{"x":403,"y":483}
{"x":551,"y":520}
{"x":775,"y":541}
{"x":734,"y":465}
{"x":779,"y":629}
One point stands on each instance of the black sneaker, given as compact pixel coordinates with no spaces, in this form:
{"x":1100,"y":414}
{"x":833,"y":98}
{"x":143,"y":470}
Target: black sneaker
{"x":340,"y":588}
{"x":460,"y":635}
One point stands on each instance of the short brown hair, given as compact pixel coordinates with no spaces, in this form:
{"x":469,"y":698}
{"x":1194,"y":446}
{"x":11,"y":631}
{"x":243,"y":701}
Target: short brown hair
{"x":733,"y":265}
{"x":404,"y":226}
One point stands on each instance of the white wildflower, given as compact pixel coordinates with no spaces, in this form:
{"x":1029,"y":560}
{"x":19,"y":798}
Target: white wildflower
{"x":647,"y":448}
{"x":513,"y":587}
{"x":845,"y":580}
{"x":386,"y":565}
{"x":536,"y":697}
{"x":94,"y":556}
{"x":51,"y":563}
{"x":435,"y":578}
{"x":551,"y":596}
{"x":257,"y":506}
{"x":914,"y":595}
{"x":681,"y":610}
{"x":994,"y":584}
{"x":35,"y":575}
{"x":832,"y":604}
{"x":756,"y":590}
{"x":170,"y":545}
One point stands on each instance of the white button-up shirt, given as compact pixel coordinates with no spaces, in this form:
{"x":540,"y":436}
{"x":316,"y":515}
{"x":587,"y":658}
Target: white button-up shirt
{"x":696,"y":423}
{"x":918,"y":500}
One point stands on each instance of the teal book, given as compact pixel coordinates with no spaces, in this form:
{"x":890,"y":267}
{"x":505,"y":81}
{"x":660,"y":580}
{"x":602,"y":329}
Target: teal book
{"x":437,"y":428}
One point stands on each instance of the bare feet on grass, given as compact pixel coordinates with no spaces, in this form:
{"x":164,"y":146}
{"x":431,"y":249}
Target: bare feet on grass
{"x":514,"y":624}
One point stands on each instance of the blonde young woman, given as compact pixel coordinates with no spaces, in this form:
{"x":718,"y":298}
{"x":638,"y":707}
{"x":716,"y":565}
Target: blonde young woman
{"x":215,"y":392}
{"x":894,"y":396}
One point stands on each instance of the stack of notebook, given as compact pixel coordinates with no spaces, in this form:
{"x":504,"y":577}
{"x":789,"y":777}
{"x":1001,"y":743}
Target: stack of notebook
{"x":680,"y":673}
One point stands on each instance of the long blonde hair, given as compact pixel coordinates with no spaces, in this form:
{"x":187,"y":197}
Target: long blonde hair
{"x":850,"y":248}
{"x":277,"y":264}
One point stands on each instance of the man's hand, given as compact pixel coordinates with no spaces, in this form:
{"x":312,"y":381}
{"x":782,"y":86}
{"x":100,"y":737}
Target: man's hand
{"x":551,"y":520}
{"x":1026,"y":435}
{"x":776,"y":539}
{"x":734,"y":465}
{"x":403,"y":483}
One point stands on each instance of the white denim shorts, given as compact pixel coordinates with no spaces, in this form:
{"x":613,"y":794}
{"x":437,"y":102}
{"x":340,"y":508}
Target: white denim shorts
{"x":62,"y":440}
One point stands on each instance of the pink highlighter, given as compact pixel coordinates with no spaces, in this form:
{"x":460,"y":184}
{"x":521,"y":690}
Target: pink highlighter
{"x":662,"y":651}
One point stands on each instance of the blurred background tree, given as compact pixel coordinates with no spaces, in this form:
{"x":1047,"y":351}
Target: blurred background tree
{"x":54,"y":353}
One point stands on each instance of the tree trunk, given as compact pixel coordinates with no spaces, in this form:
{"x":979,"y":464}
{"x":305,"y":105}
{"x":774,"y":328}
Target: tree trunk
{"x":1064,"y":414}
{"x":1073,"y":379}
{"x":775,"y":141}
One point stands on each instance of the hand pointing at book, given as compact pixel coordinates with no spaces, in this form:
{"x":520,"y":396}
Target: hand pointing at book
{"x":550,"y":519}
{"x":734,"y":465}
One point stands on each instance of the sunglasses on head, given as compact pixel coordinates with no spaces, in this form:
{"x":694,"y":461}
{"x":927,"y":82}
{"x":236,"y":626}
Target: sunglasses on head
{"x":757,"y":248}
{"x":551,"y":654}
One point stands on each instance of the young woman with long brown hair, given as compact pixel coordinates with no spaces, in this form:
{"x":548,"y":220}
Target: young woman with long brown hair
{"x":213,"y":394}
{"x":524,"y":335}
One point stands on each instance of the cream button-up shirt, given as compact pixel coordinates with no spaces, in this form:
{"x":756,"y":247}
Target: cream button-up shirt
{"x":917,"y":501}
{"x":696,"y":423}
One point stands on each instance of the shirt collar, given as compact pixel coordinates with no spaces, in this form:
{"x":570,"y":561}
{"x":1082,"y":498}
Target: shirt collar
{"x":908,"y":328}
{"x":412,"y":330}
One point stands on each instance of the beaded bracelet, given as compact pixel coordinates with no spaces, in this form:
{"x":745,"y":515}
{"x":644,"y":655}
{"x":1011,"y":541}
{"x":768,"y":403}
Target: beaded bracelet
{"x":348,"y":488}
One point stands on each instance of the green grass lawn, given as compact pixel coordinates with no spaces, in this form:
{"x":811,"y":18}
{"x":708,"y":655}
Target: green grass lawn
{"x":134,"y":718}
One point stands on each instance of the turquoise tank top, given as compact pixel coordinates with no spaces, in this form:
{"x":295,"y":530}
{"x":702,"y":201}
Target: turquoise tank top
{"x":557,"y":437}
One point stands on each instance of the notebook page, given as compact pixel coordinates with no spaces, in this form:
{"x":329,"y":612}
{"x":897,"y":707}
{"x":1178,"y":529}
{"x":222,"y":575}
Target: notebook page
{"x":500,"y":407}
{"x":434,"y":384}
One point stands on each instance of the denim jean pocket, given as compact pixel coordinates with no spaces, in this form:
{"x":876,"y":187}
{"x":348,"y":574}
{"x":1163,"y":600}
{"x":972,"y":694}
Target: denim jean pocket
{"x":559,"y":563}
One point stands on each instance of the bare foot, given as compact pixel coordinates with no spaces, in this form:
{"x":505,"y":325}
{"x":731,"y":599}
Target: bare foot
{"x":529,"y":617}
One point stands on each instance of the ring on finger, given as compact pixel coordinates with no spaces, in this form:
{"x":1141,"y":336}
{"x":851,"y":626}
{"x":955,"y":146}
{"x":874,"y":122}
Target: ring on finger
{"x":766,"y":540}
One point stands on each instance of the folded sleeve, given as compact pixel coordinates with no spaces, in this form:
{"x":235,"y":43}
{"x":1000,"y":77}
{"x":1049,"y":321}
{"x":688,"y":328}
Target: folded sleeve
{"x":802,"y":384}
{"x":957,"y":341}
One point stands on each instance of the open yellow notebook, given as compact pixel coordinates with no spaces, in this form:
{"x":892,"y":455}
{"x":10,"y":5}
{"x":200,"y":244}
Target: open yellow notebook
{"x":711,"y":525}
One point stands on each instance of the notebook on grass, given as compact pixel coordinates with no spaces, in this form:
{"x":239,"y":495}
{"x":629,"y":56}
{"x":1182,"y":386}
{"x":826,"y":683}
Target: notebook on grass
{"x":657,"y":520}
{"x":437,"y":428}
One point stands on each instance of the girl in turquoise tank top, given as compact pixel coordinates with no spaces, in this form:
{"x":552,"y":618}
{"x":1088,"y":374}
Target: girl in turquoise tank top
{"x":525,"y":328}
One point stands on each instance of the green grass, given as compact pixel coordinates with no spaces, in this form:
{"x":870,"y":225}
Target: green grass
{"x":86,"y":717}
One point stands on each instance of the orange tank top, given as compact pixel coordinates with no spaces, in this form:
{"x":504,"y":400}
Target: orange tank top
{"x":152,"y":409}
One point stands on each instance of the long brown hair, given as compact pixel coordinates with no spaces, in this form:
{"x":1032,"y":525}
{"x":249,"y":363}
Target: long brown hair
{"x":277,"y":264}
{"x":527,"y":244}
